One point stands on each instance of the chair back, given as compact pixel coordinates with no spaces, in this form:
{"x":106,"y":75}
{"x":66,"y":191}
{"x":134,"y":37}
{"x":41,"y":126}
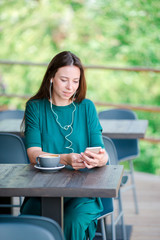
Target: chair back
{"x":112,"y":154}
{"x":117,"y":114}
{"x":127,"y":149}
{"x":29,"y":227}
{"x":12,"y":149}
{"x":111,"y":150}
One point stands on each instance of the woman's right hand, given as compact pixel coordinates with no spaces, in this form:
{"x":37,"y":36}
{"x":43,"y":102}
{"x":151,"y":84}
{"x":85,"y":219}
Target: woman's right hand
{"x":75,"y":160}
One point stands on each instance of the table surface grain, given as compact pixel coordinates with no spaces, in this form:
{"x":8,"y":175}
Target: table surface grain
{"x":25,"y":180}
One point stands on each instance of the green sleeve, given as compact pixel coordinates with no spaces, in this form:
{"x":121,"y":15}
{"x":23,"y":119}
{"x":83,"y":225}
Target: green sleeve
{"x":32,"y":125}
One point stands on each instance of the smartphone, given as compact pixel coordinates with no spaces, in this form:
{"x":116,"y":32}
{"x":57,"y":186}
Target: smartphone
{"x":93,"y":149}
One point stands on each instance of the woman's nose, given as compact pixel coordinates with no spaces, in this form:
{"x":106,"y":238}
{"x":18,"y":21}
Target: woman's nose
{"x":69,"y":85}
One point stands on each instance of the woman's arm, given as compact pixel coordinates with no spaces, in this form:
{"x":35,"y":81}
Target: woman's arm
{"x":33,"y":153}
{"x":72,"y":159}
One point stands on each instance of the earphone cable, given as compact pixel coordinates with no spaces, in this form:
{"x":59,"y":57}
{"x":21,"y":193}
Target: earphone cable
{"x":66,"y":127}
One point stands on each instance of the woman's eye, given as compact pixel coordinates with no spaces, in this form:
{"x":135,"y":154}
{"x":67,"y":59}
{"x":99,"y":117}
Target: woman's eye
{"x":63,"y":80}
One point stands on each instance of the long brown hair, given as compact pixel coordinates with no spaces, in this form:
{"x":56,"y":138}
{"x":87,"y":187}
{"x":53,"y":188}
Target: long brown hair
{"x":62,"y":59}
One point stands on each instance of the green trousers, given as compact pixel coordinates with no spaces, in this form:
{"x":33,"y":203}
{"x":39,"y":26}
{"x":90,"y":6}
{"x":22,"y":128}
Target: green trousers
{"x":80,"y":216}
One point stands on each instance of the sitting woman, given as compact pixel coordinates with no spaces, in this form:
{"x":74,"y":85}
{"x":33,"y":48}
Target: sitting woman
{"x":59,"y":119}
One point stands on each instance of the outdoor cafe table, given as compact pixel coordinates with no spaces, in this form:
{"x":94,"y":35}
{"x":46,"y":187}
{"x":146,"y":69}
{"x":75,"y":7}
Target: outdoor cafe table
{"x":124,"y":129}
{"x":111,"y":128}
{"x":25,"y":180}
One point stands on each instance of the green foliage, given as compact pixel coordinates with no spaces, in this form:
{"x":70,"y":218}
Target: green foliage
{"x":103,"y":32}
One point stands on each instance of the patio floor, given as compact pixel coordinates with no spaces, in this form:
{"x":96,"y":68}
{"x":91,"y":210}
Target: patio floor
{"x":146,"y":224}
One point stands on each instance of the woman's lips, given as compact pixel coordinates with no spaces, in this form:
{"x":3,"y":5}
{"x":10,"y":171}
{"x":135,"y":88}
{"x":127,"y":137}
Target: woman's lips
{"x":68,"y":93}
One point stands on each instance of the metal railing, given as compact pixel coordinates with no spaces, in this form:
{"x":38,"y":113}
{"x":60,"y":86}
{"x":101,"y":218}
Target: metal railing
{"x":104,"y":104}
{"x":33,"y":64}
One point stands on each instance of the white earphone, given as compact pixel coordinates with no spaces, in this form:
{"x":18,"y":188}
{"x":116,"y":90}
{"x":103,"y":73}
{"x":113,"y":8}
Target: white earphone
{"x":66,"y":127}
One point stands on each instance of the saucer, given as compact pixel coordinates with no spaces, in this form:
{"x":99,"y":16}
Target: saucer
{"x":52,"y":169}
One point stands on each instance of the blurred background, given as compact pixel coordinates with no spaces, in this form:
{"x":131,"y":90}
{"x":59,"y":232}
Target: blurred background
{"x":117,"y":41}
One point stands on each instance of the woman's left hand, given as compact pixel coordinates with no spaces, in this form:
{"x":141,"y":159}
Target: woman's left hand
{"x":92,"y":160}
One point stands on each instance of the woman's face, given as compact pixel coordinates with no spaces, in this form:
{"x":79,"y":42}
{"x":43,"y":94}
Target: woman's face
{"x":65,"y":84}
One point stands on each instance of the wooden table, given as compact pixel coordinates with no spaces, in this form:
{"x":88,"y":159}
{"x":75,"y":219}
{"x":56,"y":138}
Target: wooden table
{"x":25,"y":180}
{"x":111,"y":128}
{"x":124,"y":128}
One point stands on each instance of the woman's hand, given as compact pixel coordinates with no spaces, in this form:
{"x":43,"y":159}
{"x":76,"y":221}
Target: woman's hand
{"x":92,"y":160}
{"x":73,"y":159}
{"x":76,"y":161}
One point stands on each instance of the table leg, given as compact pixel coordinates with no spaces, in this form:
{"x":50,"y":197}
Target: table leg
{"x":52,"y":207}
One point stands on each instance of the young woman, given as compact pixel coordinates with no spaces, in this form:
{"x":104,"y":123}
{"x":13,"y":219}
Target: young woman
{"x":58,"y":119}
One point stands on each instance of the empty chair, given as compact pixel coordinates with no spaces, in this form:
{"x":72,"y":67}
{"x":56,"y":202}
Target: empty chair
{"x":29,"y":227}
{"x":12,"y":151}
{"x":108,"y":203}
{"x":127,"y":149}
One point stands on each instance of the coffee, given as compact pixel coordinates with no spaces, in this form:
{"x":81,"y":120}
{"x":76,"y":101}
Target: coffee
{"x":49,"y":155}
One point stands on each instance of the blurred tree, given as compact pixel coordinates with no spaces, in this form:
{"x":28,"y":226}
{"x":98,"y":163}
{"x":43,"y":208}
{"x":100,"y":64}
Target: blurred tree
{"x":119,"y":33}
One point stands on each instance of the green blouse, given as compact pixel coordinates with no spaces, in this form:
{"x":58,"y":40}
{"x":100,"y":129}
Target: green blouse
{"x":42,"y":130}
